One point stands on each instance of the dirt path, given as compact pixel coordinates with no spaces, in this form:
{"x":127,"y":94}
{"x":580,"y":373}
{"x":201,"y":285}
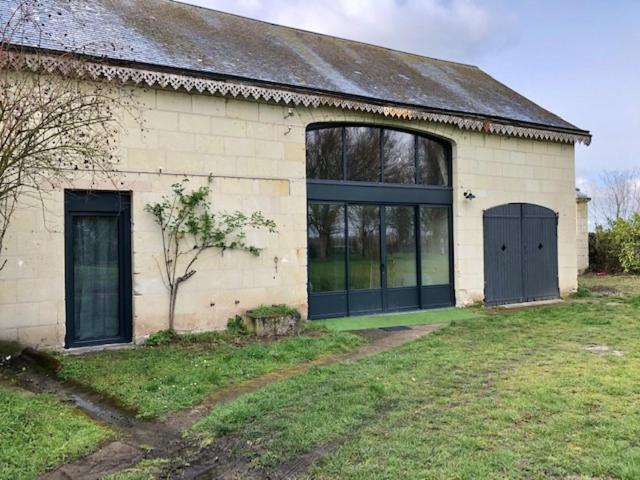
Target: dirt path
{"x":162,"y":438}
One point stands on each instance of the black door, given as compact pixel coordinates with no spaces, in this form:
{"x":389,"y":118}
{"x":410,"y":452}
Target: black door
{"x":98,"y":268}
{"x":520,"y":254}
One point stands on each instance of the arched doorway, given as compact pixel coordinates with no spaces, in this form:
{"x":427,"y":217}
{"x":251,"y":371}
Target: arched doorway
{"x":379,"y":221}
{"x":520,"y":254}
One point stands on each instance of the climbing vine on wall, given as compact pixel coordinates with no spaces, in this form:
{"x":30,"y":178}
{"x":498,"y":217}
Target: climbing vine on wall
{"x":189,"y":227}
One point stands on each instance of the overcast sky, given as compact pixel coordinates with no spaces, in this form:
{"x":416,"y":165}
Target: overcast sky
{"x":579,"y":59}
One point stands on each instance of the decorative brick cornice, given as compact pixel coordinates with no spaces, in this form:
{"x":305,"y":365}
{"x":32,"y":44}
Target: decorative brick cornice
{"x":70,"y":66}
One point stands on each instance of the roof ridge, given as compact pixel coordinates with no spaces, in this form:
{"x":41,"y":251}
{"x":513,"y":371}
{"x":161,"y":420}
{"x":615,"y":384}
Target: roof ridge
{"x":297,"y":29}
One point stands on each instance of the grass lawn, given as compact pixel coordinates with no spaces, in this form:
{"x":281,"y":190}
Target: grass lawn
{"x":424,"y":317}
{"x":156,"y":380}
{"x":38,"y":433}
{"x":613,"y":285}
{"x":521,"y":394}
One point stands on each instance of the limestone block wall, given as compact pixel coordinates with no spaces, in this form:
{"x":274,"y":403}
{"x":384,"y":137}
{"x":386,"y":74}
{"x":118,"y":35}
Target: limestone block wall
{"x":502,"y":170}
{"x":256,"y":155}
{"x":582,"y":234}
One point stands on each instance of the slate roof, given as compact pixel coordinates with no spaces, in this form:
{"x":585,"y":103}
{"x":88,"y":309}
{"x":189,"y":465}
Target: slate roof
{"x":164,"y":34}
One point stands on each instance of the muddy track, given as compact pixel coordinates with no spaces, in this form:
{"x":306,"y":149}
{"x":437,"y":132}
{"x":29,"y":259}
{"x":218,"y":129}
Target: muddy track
{"x":227,"y":457}
{"x":230,"y":458}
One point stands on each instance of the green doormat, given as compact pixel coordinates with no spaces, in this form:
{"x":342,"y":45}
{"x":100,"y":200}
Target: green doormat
{"x":422,"y":317}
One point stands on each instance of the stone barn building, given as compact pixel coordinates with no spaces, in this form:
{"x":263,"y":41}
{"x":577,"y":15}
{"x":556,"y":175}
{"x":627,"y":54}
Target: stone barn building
{"x":398,"y":182}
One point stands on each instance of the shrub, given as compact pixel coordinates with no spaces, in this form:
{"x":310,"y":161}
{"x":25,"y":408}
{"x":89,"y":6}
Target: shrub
{"x":581,"y":292}
{"x":236,"y":325}
{"x":617,"y":248}
{"x":627,"y":235}
{"x":162,"y":337}
{"x":603,"y":251}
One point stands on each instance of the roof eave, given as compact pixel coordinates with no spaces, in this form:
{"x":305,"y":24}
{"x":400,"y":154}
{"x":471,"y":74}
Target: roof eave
{"x":485,"y":123}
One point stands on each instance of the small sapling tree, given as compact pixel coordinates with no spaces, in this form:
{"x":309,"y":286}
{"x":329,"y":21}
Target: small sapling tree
{"x":189,"y":227}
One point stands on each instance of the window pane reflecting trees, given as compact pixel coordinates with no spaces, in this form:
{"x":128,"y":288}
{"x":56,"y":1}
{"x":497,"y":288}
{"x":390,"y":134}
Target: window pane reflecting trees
{"x":362,"y":153}
{"x":324,"y":154}
{"x":401,"y":246}
{"x":374,"y":154}
{"x":432,"y":163}
{"x":326,"y":247}
{"x":398,"y":153}
{"x":434,"y":245}
{"x":364,"y":246}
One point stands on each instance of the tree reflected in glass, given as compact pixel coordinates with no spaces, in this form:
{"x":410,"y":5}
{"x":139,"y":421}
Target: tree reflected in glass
{"x":398,"y":153}
{"x":362,"y":154}
{"x":326,"y":247}
{"x":364,"y":246}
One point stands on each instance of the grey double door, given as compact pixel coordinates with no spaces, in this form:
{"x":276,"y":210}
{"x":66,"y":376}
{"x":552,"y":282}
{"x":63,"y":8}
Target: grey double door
{"x":520,"y":254}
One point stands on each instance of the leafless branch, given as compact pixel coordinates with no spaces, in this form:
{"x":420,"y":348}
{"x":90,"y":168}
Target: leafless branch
{"x":52,"y":128}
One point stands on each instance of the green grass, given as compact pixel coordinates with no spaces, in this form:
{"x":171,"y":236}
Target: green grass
{"x":621,"y":284}
{"x":156,"y":380}
{"x":510,"y":396}
{"x":424,"y":317}
{"x":38,"y":433}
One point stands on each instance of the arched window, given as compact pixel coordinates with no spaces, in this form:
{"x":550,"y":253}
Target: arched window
{"x":376,"y":155}
{"x":379,"y":223}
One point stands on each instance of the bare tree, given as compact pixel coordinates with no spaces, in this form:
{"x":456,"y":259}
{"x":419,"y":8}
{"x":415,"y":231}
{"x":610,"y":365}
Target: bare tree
{"x":616,"y":196}
{"x":52,"y":127}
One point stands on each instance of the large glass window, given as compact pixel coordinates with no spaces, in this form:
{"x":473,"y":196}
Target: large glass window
{"x":373,"y":154}
{"x":434,"y":245}
{"x":362,"y":153}
{"x":401,"y":246}
{"x":326,"y":247}
{"x":379,"y":207}
{"x":364,"y":246}
{"x":324,"y":154}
